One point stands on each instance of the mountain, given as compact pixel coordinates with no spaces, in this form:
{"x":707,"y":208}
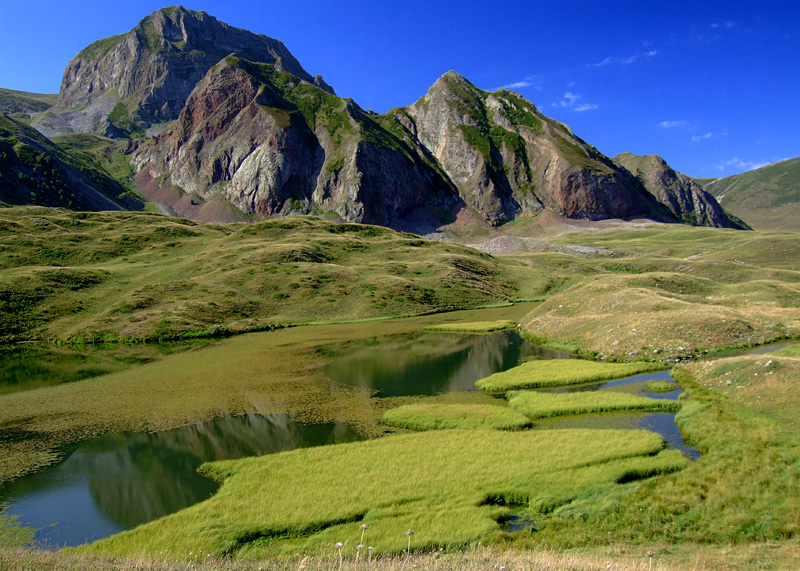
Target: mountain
{"x":130,"y":82}
{"x":223,"y":124}
{"x":767,"y":198}
{"x":685,"y":198}
{"x":267,"y":142}
{"x":508,"y":160}
{"x":34,"y":170}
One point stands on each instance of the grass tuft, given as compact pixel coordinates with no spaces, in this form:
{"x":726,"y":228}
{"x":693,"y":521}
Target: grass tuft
{"x":543,"y":405}
{"x":443,"y":416}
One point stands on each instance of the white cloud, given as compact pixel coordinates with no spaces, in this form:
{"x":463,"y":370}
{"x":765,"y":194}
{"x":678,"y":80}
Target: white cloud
{"x":743,"y":165}
{"x":698,"y":138}
{"x":671,"y":124}
{"x":570,"y":101}
{"x":724,"y":25}
{"x":533,"y":81}
{"x":625,"y":60}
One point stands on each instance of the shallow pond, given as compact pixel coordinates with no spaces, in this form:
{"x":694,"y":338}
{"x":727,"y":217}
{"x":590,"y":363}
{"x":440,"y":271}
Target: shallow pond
{"x":116,"y":482}
{"x":119,"y":481}
{"x":431,"y":363}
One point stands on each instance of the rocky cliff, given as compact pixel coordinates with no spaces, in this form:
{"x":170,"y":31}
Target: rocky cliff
{"x":508,"y":160}
{"x":685,"y":198}
{"x":133,"y":81}
{"x":268,"y":142}
{"x":227,"y":125}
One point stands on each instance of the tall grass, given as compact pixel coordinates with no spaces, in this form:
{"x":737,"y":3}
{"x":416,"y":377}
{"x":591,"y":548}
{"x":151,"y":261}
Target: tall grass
{"x":446,"y":485}
{"x":476,"y":327}
{"x":560,"y":372}
{"x":543,"y":405}
{"x":442,"y":416}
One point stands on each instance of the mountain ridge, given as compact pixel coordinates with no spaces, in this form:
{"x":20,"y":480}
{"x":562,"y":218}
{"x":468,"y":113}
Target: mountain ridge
{"x":230,"y":117}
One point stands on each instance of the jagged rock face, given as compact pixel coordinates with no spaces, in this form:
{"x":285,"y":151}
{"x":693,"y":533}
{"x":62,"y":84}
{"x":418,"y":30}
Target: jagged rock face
{"x":686,"y":199}
{"x":270,"y":143}
{"x":143,"y":77}
{"x":509,"y":160}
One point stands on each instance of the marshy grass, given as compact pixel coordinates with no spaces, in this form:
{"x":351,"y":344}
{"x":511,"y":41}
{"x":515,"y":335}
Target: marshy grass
{"x":543,"y":405}
{"x":443,"y":416}
{"x":660,"y":387}
{"x":559,"y":372}
{"x":476,"y":327}
{"x":450,"y":486}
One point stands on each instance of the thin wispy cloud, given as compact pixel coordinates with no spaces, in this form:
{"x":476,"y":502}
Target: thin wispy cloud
{"x":703,"y":137}
{"x":723,"y":25}
{"x":671,"y":124}
{"x":572,"y":101}
{"x":625,"y":60}
{"x":744,"y":165}
{"x":533,"y":81}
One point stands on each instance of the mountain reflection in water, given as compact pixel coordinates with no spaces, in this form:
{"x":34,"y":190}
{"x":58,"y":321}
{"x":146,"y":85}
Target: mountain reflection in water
{"x":116,"y":482}
{"x":430,"y":364}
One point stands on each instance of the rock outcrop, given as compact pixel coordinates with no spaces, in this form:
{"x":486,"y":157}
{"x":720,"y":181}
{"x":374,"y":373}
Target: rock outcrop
{"x":268,"y":142}
{"x":142,"y":78}
{"x":684,"y":197}
{"x":509,"y":160}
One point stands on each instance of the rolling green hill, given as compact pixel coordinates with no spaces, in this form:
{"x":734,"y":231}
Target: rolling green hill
{"x":767,"y":198}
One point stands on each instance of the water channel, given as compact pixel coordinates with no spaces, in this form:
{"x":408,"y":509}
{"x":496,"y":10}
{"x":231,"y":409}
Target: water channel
{"x":116,"y":482}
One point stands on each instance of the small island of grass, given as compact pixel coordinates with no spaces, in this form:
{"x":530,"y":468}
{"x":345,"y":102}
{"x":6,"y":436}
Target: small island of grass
{"x":442,"y":416}
{"x":475,"y":327}
{"x":543,"y":405}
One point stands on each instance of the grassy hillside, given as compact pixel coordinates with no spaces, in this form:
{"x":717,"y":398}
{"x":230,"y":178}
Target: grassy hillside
{"x":23,"y":105}
{"x":669,"y":292}
{"x":767,"y":198}
{"x":111,"y":276}
{"x":34,"y":170}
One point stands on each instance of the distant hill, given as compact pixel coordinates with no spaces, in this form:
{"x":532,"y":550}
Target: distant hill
{"x":24,"y":106}
{"x":34,"y":170}
{"x":767,"y":198}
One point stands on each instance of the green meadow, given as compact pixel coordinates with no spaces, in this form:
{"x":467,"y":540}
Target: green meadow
{"x":478,"y":327}
{"x":543,"y":405}
{"x":658,"y":296}
{"x":451,"y":487}
{"x":556,"y":373}
{"x":442,"y":416}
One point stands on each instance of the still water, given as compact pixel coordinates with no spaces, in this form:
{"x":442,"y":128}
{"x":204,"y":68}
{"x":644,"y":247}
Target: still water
{"x":116,"y":482}
{"x":119,"y":481}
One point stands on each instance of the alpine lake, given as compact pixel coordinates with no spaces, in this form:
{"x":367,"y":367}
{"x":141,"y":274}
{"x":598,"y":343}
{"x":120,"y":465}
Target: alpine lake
{"x":118,"y":480}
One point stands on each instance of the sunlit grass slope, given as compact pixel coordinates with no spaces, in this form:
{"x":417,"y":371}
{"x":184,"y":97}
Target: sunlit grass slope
{"x":560,"y":372}
{"x":743,"y":414}
{"x":137,"y":276}
{"x":669,"y":291}
{"x":543,"y":405}
{"x":445,"y":485}
{"x":441,"y":416}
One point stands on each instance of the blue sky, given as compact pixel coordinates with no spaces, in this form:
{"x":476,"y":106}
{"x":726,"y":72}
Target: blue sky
{"x":713,"y":87}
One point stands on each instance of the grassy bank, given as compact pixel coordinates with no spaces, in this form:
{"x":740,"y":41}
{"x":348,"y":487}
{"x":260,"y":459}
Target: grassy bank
{"x":742,"y":414}
{"x":555,"y":373}
{"x":449,"y":486}
{"x":543,"y":405}
{"x":478,"y":327}
{"x":262,"y":373}
{"x":443,"y":416}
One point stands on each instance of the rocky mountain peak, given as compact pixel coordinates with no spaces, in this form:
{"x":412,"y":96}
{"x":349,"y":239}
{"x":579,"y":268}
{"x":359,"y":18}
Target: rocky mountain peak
{"x":133,"y":81}
{"x":687,"y":200}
